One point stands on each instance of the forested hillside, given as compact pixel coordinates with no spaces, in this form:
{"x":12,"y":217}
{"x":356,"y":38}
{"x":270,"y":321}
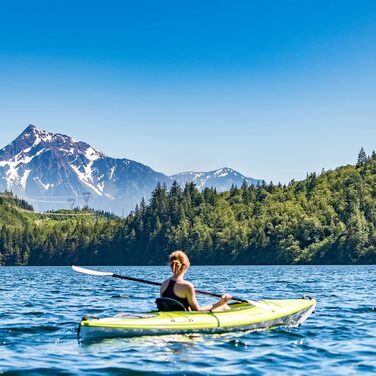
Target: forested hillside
{"x":325,"y":219}
{"x":56,"y":238}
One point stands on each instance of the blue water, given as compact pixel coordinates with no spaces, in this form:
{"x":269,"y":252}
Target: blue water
{"x":40,"y":308}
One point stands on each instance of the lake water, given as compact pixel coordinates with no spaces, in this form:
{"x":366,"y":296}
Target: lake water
{"x":40,"y":308}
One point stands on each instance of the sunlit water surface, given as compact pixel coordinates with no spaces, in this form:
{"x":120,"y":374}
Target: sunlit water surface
{"x":40,"y":308}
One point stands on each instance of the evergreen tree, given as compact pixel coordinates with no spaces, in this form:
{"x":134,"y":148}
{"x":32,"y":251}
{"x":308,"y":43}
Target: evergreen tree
{"x":362,"y":157}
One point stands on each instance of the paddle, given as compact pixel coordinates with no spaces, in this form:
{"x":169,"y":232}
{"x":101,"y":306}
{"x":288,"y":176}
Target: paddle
{"x":110,"y":274}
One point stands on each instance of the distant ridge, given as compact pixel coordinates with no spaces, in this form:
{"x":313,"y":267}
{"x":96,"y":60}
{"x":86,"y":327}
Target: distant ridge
{"x":53,"y":171}
{"x":222,"y":179}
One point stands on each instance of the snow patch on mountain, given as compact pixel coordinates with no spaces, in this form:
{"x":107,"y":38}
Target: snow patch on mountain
{"x":86,"y":177}
{"x":92,"y":154}
{"x":45,"y":186}
{"x":112,"y":170}
{"x":23,"y":180}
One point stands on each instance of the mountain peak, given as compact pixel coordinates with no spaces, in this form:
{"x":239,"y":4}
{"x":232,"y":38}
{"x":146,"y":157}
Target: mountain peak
{"x":30,"y":128}
{"x":32,"y":133}
{"x":28,"y":131}
{"x":36,"y":147}
{"x":33,"y":136}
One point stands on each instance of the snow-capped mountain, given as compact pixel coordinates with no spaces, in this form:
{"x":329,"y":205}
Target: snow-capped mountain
{"x":54,"y":171}
{"x":49,"y":169}
{"x":221,"y":179}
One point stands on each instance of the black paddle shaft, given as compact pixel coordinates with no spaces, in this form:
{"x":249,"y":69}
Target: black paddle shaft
{"x":160,"y":284}
{"x":137,"y":280}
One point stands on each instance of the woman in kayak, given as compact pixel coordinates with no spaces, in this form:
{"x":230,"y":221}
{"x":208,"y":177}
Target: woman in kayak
{"x":183,"y":291}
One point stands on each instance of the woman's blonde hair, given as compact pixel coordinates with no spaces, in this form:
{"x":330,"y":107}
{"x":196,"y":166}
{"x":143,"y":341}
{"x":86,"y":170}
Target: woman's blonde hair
{"x":179,"y":261}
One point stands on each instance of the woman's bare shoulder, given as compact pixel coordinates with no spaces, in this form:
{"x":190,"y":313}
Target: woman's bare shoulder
{"x":188,"y":285}
{"x":165,"y":283}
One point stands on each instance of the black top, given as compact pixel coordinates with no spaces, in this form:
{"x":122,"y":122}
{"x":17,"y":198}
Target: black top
{"x":169,"y":293}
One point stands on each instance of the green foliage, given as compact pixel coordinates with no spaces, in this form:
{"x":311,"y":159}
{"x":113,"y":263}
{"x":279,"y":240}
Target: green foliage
{"x":326,"y":218}
{"x":55,"y":238}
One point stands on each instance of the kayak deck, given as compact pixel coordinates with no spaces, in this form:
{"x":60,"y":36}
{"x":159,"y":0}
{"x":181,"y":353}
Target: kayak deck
{"x":241,"y":316}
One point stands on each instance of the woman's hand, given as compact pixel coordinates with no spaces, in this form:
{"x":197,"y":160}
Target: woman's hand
{"x":224,"y":299}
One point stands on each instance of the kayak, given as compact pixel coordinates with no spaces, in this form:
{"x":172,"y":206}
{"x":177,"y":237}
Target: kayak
{"x":241,"y":316}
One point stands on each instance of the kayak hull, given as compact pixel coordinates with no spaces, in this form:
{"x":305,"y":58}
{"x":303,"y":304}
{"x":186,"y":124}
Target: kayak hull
{"x":241,"y":317}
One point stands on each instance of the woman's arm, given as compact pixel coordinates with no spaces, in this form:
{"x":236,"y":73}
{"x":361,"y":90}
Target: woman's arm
{"x":193,"y":303}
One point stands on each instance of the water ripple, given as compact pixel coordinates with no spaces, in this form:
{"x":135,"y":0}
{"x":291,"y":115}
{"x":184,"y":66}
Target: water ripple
{"x":40,"y":308}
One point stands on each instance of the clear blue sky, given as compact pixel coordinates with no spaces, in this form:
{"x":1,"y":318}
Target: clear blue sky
{"x":274,"y":89}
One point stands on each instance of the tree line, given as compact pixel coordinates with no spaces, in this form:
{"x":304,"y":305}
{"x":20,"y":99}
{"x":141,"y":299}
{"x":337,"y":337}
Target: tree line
{"x":327,"y":218}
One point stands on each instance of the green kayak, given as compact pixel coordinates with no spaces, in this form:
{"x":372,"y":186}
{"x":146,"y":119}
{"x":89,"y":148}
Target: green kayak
{"x":241,"y":316}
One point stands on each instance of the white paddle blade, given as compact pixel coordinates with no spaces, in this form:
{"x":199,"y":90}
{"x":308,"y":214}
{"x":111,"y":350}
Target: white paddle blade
{"x":91,"y":272}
